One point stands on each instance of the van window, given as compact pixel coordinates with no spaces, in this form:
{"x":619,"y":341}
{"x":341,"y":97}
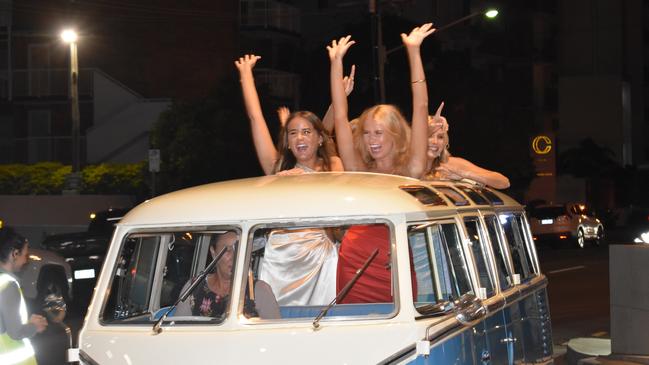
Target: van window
{"x":154,"y":269}
{"x":496,"y":240}
{"x":453,"y":195}
{"x":477,"y":244}
{"x":474,"y":195}
{"x":424,"y":195}
{"x":439,"y":263}
{"x":295,"y":272}
{"x":514,"y":232}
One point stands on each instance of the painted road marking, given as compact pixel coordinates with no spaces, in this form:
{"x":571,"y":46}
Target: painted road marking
{"x":567,"y":269}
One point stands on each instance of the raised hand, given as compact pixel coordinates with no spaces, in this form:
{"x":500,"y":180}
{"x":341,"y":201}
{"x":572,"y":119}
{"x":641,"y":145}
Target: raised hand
{"x":283,"y":112}
{"x":438,"y":121}
{"x":348,"y":81}
{"x":247,"y":62}
{"x":449,"y":170}
{"x":337,"y":49}
{"x":417,"y":35}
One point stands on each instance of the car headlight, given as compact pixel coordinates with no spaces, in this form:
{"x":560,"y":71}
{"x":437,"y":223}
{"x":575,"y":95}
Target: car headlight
{"x":644,"y":238}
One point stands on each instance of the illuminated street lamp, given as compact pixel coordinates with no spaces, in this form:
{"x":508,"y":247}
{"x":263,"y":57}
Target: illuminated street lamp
{"x":489,"y":13}
{"x":73,"y":181}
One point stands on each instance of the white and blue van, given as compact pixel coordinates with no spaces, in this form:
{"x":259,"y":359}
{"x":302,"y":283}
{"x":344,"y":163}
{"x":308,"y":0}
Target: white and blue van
{"x":461,"y":284}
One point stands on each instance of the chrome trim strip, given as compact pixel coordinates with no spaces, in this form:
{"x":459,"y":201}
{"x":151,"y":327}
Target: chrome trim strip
{"x":495,"y":305}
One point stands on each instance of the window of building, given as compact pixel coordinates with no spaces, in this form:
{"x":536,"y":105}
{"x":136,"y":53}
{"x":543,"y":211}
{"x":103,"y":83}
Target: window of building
{"x":39,"y":69}
{"x":39,"y":140}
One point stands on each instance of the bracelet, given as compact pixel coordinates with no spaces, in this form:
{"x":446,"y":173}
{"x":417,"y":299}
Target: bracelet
{"x":417,"y":81}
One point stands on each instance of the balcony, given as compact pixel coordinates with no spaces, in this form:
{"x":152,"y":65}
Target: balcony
{"x":280,"y":84}
{"x":270,"y":14}
{"x":44,"y":83}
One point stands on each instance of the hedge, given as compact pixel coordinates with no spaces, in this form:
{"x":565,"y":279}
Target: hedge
{"x":49,"y":177}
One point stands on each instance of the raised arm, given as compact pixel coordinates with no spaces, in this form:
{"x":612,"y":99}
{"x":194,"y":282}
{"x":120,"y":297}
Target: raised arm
{"x":328,"y":119}
{"x":266,"y":152}
{"x":344,"y":137}
{"x":460,"y":168}
{"x":419,"y":135}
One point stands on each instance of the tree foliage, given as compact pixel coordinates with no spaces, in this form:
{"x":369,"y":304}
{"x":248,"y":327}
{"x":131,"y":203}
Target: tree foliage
{"x":589,"y":160}
{"x":205,"y":140}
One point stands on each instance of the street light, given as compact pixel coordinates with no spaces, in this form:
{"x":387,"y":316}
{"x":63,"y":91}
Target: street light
{"x":73,"y":181}
{"x":382,"y":54}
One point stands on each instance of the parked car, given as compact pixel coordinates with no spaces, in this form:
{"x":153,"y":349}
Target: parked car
{"x":85,"y":251}
{"x":566,"y":222}
{"x":441,"y":272}
{"x":45,"y":273}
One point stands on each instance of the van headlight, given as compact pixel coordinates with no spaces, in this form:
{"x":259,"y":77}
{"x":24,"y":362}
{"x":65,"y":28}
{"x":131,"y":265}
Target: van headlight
{"x":644,"y":238}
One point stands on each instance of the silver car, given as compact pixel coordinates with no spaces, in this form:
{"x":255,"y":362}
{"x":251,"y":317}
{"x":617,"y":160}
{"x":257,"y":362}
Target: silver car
{"x":566,"y":223}
{"x":45,"y":273}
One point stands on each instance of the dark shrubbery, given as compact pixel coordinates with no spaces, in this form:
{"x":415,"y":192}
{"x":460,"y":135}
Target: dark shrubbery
{"x":48,"y":178}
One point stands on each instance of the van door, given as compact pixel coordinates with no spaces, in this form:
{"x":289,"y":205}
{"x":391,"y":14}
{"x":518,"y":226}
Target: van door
{"x":494,"y":325}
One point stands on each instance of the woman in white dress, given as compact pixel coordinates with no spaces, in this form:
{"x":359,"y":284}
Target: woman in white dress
{"x":299,"y":265}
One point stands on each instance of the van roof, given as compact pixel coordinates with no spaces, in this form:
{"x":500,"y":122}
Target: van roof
{"x":329,"y":194}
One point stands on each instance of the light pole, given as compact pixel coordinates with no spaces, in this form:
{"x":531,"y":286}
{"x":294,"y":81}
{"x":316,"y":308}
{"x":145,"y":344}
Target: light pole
{"x":381,"y":54}
{"x":73,"y":181}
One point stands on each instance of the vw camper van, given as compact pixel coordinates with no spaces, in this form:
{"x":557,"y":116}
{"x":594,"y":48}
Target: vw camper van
{"x":326,"y":268}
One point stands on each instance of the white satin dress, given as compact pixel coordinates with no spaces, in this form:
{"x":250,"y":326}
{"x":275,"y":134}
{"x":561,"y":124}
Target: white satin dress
{"x":300,"y":266}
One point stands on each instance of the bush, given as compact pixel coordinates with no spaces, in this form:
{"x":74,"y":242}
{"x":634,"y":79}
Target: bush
{"x":49,"y":177}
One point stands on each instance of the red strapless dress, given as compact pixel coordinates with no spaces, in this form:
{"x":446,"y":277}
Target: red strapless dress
{"x":375,"y":285}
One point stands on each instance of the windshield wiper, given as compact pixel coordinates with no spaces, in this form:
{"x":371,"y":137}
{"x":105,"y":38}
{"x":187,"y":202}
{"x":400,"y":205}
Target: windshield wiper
{"x":343,"y":292}
{"x":157,"y":327}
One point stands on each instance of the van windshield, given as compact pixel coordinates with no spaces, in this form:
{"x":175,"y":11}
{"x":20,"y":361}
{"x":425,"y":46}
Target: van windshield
{"x":154,"y":269}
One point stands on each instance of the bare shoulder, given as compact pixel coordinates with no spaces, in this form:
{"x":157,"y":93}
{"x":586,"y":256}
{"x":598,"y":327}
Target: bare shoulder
{"x":337,"y":164}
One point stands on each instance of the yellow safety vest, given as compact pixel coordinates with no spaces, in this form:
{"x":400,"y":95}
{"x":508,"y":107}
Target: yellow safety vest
{"x":15,"y":352}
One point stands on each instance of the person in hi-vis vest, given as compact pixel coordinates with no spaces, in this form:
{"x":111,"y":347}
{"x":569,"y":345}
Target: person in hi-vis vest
{"x":15,"y":326}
